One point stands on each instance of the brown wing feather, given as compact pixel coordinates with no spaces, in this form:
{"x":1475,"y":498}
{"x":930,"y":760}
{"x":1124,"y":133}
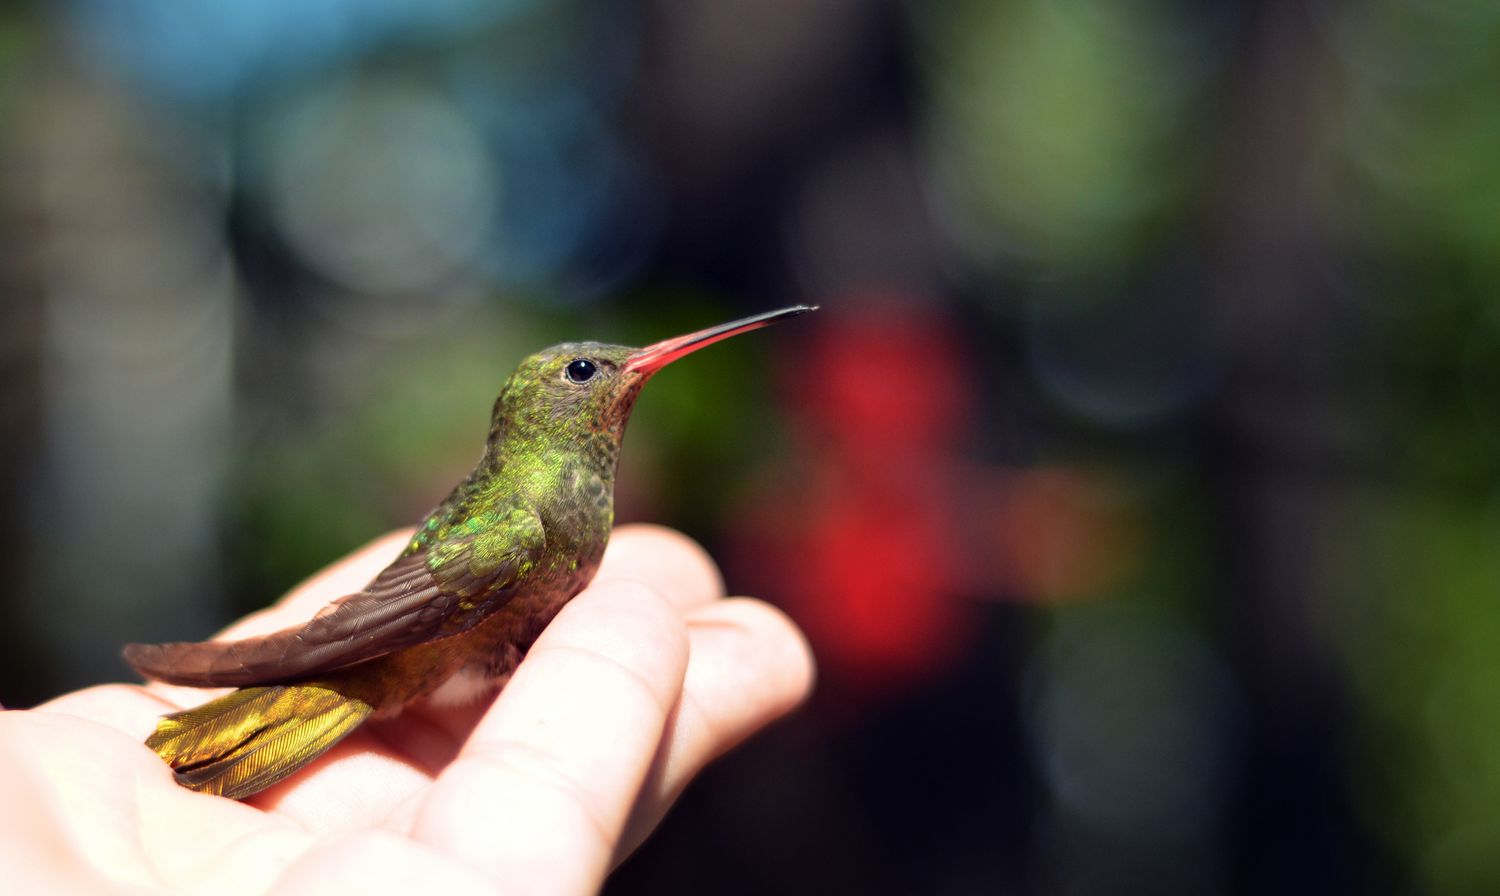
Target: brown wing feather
{"x":411,"y":601}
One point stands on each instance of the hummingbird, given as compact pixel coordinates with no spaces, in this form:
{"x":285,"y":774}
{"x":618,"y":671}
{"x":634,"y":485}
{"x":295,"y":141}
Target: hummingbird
{"x":450,"y":618}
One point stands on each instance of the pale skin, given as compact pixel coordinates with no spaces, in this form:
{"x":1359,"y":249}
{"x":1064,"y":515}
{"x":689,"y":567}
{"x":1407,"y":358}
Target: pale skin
{"x":645,"y":677}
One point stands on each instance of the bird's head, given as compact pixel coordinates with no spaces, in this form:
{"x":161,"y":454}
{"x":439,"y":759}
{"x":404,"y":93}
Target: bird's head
{"x":581,"y":390}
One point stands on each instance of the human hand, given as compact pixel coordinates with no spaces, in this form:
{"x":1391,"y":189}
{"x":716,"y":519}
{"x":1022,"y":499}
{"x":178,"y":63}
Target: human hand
{"x":637,"y":684}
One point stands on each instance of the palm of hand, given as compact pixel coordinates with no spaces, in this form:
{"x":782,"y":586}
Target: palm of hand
{"x":640,"y":681}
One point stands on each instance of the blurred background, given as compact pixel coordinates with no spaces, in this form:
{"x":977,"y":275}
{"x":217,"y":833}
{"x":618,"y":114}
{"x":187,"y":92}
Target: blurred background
{"x":1137,"y":484}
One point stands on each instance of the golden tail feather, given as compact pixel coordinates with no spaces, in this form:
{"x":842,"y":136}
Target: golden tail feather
{"x":246,"y":741}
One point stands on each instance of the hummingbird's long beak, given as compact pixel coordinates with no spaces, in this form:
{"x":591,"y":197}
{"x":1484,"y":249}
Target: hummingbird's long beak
{"x":652,"y":358}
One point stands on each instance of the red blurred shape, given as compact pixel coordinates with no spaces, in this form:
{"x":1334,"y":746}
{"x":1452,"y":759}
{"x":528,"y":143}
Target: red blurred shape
{"x":887,"y":380}
{"x":875,"y":535}
{"x":858,"y":541}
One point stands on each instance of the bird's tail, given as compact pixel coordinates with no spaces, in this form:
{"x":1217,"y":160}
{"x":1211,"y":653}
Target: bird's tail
{"x":246,"y":741}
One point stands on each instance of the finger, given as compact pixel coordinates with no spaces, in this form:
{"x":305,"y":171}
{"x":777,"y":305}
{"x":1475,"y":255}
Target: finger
{"x":128,"y":708}
{"x":541,"y":792}
{"x":749,"y":665}
{"x":673,"y":564}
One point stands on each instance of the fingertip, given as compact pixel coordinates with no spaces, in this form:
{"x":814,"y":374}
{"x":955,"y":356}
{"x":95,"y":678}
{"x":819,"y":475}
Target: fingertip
{"x":665,"y":559}
{"x":628,"y":621}
{"x":774,"y":656}
{"x":571,"y":737}
{"x":750,"y":665}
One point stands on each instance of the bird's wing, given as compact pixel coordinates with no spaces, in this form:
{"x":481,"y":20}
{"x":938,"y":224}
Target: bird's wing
{"x":445,"y":590}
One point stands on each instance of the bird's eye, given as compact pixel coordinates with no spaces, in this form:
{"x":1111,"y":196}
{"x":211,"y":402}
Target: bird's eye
{"x":581,"y":370}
